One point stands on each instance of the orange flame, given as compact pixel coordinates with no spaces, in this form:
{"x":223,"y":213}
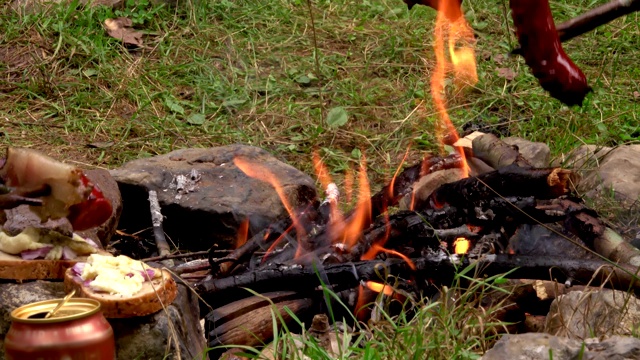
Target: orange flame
{"x":243,"y":233}
{"x":348,"y":185}
{"x":361,"y":217}
{"x":325,"y":180}
{"x":377,"y":248}
{"x":259,"y":171}
{"x":462,"y":59}
{"x":379,"y":288}
{"x":461,"y":246}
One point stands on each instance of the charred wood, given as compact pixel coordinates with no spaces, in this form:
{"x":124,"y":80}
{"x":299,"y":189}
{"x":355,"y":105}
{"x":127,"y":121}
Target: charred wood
{"x":437,"y":268}
{"x":402,"y":184}
{"x":511,"y":180}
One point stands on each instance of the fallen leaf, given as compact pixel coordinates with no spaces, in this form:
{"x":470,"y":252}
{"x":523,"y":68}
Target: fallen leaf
{"x":100,"y":144}
{"x":507,"y":73}
{"x":499,"y":59}
{"x":196,"y":119}
{"x":120,"y":28}
{"x":337,"y":117}
{"x":636,"y":94}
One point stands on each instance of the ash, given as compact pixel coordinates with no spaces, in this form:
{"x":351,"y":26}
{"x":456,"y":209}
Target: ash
{"x":184,"y":184}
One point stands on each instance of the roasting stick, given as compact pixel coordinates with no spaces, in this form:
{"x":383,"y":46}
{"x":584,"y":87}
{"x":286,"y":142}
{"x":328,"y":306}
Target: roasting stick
{"x":158,"y":231}
{"x":593,"y":18}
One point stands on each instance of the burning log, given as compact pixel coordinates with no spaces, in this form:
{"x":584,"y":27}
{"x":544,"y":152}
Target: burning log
{"x":437,"y":268}
{"x":511,"y":180}
{"x":308,"y":217}
{"x":496,"y":153}
{"x":405,"y":182}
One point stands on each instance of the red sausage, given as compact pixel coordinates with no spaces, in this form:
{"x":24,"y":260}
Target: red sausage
{"x":92,"y":212}
{"x":543,"y":53}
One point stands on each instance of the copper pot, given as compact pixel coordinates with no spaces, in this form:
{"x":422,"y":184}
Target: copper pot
{"x":77,"y":331}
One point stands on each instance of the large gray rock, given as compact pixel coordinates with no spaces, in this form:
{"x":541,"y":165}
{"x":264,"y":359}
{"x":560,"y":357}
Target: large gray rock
{"x":586,"y":314}
{"x":606,"y":171}
{"x":537,"y":346}
{"x":534,"y":346}
{"x":147,"y":337}
{"x":614,"y":348}
{"x":216,"y":197}
{"x":536,"y":153}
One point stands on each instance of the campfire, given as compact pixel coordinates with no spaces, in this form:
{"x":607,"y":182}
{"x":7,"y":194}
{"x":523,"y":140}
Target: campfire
{"x":474,"y":208}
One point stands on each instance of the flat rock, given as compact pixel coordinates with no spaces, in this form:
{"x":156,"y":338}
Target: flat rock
{"x":534,"y":346}
{"x":215,"y":197}
{"x":158,"y":336}
{"x":606,"y":171}
{"x":614,"y":348}
{"x":536,"y":153}
{"x":538,"y":346}
{"x":586,"y":314}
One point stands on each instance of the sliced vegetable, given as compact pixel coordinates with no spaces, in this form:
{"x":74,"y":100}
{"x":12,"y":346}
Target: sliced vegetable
{"x":78,"y":268}
{"x":40,"y":253}
{"x":68,"y":254}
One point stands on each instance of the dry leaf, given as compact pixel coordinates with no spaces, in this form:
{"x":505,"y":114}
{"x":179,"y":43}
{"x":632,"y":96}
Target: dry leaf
{"x":636,"y":94}
{"x":100,"y":144}
{"x":499,"y":59}
{"x":507,"y":73}
{"x":120,"y":28}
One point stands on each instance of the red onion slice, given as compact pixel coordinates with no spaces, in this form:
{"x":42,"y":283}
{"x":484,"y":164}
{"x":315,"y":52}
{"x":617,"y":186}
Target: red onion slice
{"x":148,"y":274}
{"x":68,"y":254}
{"x":36,"y":254}
{"x":78,"y":268}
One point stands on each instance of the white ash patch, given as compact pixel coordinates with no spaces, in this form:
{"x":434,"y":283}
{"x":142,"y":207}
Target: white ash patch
{"x":184,"y":184}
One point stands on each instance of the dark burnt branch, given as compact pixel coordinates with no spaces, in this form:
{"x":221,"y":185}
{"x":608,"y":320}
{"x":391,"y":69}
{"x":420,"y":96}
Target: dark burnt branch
{"x":308,"y":217}
{"x":438,"y":268}
{"x":192,"y":266}
{"x":511,"y":180}
{"x":592,"y":19}
{"x":183,"y":255}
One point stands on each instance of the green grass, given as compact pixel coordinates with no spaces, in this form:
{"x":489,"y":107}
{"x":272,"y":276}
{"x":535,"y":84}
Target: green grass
{"x":220,"y":72}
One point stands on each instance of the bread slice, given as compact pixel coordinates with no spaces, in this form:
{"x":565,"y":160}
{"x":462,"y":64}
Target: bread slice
{"x":13,"y":267}
{"x":154,"y":295}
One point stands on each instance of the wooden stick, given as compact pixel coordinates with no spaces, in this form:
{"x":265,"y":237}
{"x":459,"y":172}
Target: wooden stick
{"x":592,"y":19}
{"x":192,"y":266}
{"x":156,"y":220}
{"x":10,"y":201}
{"x":182,"y":256}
